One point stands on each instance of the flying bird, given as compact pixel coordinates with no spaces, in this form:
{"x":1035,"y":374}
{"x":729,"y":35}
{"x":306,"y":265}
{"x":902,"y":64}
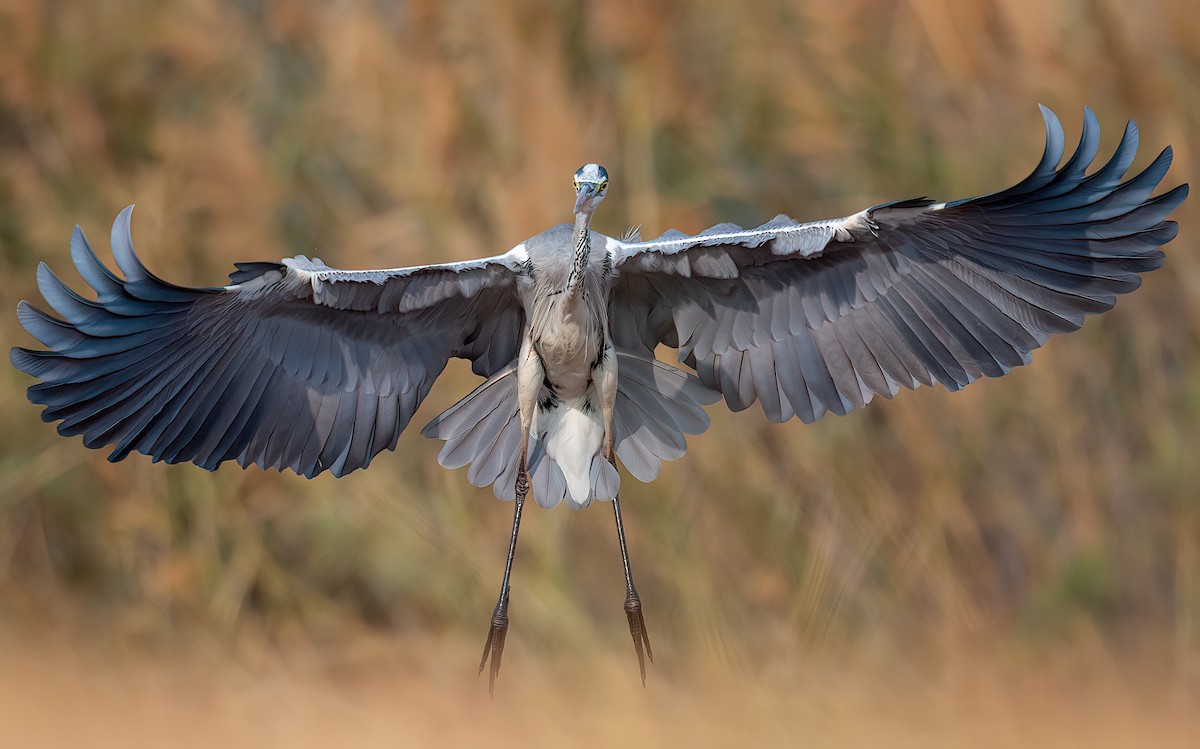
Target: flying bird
{"x":298,"y":365}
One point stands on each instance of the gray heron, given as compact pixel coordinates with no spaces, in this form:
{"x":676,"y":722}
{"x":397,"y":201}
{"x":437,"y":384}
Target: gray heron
{"x":298,"y":365}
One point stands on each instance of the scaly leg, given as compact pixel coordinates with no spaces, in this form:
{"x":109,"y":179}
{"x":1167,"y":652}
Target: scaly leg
{"x":530,"y":376}
{"x":494,"y":646}
{"x":633,"y":604}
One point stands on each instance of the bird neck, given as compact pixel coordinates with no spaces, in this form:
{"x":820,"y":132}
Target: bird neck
{"x":583,"y":250}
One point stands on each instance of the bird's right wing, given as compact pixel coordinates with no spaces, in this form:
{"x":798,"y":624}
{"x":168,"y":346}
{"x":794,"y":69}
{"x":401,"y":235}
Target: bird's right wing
{"x":808,"y":318}
{"x":295,"y":365}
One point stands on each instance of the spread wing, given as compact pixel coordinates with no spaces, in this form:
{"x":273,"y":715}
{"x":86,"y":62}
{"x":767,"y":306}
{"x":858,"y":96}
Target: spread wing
{"x":815,"y":317}
{"x":294,"y":365}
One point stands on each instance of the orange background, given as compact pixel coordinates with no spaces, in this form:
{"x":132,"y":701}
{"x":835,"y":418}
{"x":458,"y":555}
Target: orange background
{"x":1015,"y":564}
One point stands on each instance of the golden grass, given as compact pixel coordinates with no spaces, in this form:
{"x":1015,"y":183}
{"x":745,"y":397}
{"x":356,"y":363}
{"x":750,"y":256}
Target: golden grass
{"x":1059,"y":503}
{"x":412,"y":691}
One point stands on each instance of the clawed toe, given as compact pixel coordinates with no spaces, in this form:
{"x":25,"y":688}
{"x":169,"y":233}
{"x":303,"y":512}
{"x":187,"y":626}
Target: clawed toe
{"x":637,"y":629}
{"x":494,"y":646}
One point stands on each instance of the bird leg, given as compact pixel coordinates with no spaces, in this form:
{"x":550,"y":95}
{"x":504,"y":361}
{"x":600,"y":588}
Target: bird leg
{"x":633,"y":603}
{"x":494,"y":646}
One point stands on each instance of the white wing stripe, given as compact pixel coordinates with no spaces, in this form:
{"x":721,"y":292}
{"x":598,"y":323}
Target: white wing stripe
{"x":838,"y":228}
{"x":748,"y":234}
{"x":309,"y":269}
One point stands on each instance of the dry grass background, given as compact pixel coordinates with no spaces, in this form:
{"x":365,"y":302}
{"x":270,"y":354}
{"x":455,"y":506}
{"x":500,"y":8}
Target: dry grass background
{"x":954,"y":567}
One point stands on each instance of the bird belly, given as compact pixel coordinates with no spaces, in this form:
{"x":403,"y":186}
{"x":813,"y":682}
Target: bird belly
{"x":570,"y":417}
{"x":569,"y":350}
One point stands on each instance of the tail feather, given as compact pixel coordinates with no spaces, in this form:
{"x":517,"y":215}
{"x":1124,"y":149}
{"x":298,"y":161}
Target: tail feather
{"x":606,"y":482}
{"x":641,"y":462}
{"x":474,"y":424}
{"x":547,"y":482}
{"x":573,"y":434}
{"x":492,"y":459}
{"x":656,"y":406}
{"x":484,"y":431}
{"x":469,"y":412}
{"x":653,"y":423}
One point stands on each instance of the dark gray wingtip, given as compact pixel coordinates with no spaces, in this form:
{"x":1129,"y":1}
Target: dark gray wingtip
{"x":21,"y":359}
{"x":1056,"y":141}
{"x":1171,"y":200}
{"x":122,"y":246}
{"x":1085,"y":152}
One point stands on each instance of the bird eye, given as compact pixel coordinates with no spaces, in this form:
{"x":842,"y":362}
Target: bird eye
{"x":604,"y":185}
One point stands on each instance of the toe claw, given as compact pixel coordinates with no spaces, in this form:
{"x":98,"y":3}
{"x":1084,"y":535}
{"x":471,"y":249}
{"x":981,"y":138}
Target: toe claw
{"x":637,"y":629}
{"x":487,"y":649}
{"x":494,"y":646}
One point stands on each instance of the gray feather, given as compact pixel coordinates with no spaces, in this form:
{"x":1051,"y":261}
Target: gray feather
{"x":909,"y":292}
{"x":301,"y":366}
{"x":656,"y":406}
{"x":260,"y":371}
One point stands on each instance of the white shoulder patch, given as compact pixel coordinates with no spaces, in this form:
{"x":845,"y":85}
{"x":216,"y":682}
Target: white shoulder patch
{"x":612,"y":246}
{"x":516,"y":255}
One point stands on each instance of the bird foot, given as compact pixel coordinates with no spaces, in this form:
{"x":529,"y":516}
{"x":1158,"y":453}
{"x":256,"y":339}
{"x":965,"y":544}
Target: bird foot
{"x":494,"y":646}
{"x":637,"y":628}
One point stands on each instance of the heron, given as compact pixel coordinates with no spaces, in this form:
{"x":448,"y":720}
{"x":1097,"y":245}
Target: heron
{"x":298,"y":365}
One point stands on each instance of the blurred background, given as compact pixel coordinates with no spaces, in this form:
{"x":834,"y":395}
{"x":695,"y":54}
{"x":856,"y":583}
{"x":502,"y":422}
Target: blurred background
{"x":1016,"y":563}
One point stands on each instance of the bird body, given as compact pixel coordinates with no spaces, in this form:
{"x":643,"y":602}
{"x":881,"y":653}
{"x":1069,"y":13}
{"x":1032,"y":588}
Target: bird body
{"x":298,"y":365}
{"x":567,"y":371}
{"x":569,"y":332}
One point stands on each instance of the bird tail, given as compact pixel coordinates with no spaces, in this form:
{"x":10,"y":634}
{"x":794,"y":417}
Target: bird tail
{"x":567,"y":451}
{"x":656,"y":406}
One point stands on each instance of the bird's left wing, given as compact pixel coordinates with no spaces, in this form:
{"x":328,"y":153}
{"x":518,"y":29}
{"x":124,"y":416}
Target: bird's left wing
{"x":815,"y":317}
{"x":294,"y":365}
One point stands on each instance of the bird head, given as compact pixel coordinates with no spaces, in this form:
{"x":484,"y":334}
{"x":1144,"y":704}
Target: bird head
{"x":591,"y":184}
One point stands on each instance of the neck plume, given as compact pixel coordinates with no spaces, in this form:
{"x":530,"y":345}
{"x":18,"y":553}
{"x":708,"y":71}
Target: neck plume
{"x":583,"y":250}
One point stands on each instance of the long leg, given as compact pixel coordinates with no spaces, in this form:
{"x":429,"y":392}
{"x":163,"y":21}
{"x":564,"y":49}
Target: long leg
{"x":606,"y":380}
{"x":494,"y":646}
{"x":633,"y":604}
{"x":529,"y":382}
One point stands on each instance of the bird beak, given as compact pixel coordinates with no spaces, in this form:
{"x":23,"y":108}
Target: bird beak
{"x":584,"y":195}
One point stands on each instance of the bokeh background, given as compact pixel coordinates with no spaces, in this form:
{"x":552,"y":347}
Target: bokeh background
{"x":1017,"y":563}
